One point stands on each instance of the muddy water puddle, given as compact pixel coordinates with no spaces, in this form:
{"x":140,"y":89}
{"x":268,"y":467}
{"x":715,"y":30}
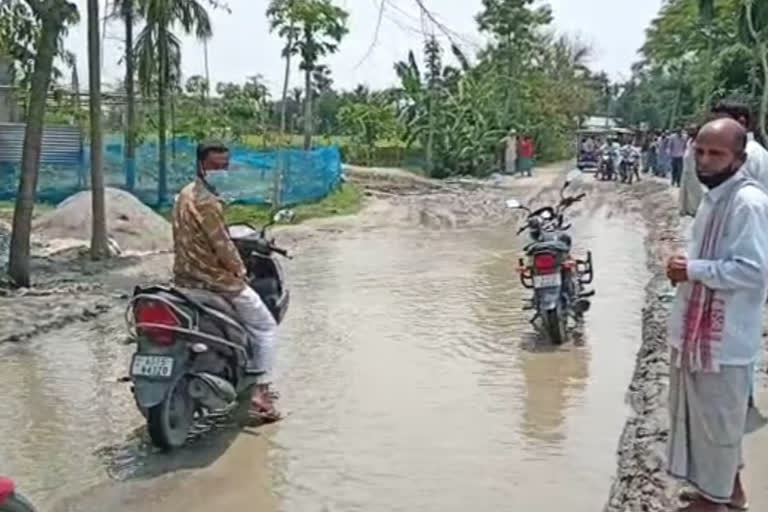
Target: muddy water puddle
{"x":412,"y":380}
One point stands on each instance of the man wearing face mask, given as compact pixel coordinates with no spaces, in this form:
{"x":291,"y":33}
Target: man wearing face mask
{"x":715,"y":325}
{"x":206,"y":258}
{"x":757,"y":155}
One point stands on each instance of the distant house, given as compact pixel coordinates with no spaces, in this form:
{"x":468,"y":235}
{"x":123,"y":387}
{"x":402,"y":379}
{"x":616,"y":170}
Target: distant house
{"x":600,"y":123}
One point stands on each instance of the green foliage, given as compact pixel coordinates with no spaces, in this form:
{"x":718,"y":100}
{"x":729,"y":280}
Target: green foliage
{"x":20,"y":26}
{"x":696,"y":53}
{"x":345,"y":200}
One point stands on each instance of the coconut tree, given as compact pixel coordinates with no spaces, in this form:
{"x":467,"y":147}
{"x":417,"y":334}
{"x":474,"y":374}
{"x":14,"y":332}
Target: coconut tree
{"x":158,"y":52}
{"x":53,"y":17}
{"x":127,"y":11}
{"x":319,"y":27}
{"x":99,"y":246}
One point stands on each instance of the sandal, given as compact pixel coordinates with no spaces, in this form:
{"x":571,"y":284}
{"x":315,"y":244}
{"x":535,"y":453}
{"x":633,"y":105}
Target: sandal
{"x":691,"y":496}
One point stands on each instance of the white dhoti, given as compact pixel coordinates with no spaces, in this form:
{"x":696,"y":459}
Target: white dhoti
{"x":708,"y":415}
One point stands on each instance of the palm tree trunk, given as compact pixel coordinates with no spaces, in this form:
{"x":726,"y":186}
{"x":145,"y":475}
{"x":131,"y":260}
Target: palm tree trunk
{"x":307,"y":109}
{"x":286,"y":78}
{"x":281,"y":163}
{"x":99,"y":245}
{"x":129,"y":159}
{"x":18,"y":262}
{"x":162,"y":102}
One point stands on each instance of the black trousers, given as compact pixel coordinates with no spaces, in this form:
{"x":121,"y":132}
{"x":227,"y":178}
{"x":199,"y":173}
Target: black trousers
{"x":677,"y":170}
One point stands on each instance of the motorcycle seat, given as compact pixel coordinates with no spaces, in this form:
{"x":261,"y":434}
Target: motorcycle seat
{"x":549,"y":245}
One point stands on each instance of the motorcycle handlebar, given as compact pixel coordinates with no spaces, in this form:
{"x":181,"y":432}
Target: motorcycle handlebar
{"x":278,"y":250}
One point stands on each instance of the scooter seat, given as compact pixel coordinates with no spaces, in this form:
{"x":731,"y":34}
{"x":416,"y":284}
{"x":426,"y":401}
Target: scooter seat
{"x":209,"y":299}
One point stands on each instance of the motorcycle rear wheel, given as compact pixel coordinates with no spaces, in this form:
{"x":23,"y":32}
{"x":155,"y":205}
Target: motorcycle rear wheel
{"x":16,"y":503}
{"x":555,"y":325}
{"x":170,"y":421}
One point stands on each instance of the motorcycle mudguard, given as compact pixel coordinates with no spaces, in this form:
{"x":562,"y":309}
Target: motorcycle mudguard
{"x":548,"y":298}
{"x":150,"y":392}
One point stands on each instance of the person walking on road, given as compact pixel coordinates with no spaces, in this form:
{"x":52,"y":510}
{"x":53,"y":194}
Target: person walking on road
{"x":526,"y":152}
{"x":677,"y":142}
{"x":757,"y":156}
{"x":715,"y":325}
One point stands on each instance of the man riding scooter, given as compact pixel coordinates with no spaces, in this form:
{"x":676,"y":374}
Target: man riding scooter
{"x":205,"y":257}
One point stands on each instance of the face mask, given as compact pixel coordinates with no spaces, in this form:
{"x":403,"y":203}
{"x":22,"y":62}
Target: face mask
{"x":218,"y":180}
{"x":715,"y":180}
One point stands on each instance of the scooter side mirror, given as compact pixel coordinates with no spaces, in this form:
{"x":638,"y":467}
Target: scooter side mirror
{"x":513,"y":204}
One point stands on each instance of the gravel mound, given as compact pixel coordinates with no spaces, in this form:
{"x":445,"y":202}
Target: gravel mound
{"x":130,"y":223}
{"x":5,"y":242}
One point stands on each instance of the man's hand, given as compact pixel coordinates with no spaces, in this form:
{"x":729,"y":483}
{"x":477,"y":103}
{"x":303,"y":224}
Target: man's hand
{"x":677,"y":269}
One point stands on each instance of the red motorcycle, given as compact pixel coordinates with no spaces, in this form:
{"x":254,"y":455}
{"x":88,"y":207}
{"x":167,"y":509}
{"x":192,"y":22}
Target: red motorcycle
{"x":11,"y":501}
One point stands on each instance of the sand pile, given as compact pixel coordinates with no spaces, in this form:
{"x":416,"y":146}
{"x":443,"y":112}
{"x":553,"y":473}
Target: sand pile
{"x":5,"y":242}
{"x":130,"y":223}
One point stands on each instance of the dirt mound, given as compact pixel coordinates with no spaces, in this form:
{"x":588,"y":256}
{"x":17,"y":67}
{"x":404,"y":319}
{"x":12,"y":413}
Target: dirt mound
{"x":130,"y":223}
{"x":5,"y":242}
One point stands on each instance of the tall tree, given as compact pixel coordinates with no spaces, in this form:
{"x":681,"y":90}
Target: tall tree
{"x":53,"y":17}
{"x":756,"y":19}
{"x":126,"y":9}
{"x":282,"y":19}
{"x":159,"y":60}
{"x":321,"y":27}
{"x":99,"y":244}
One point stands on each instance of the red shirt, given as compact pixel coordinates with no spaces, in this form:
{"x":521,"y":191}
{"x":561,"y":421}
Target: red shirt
{"x":526,"y":148}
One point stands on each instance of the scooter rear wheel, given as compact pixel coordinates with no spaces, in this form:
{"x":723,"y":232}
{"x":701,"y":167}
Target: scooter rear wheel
{"x":16,"y":503}
{"x":170,"y":421}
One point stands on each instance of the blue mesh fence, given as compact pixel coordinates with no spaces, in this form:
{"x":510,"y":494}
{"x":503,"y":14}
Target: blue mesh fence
{"x":306,"y":176}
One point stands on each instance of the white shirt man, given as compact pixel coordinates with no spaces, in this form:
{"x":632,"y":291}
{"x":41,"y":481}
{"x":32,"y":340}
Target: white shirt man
{"x":757,"y":161}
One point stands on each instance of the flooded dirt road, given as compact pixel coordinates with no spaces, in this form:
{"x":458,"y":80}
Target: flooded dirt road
{"x":412,"y":380}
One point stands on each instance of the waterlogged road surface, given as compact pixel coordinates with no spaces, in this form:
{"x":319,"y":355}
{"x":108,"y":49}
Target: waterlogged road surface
{"x":412,"y":379}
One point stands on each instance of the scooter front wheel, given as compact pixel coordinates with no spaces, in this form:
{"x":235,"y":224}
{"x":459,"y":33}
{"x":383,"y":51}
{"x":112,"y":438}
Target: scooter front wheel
{"x":170,"y":421}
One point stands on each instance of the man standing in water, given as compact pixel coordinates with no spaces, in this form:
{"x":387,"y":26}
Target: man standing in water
{"x":206,"y":258}
{"x":715,"y":326}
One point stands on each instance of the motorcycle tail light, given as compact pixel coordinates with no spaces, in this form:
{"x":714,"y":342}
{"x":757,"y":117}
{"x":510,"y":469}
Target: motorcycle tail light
{"x":155,"y":320}
{"x":545,"y":263}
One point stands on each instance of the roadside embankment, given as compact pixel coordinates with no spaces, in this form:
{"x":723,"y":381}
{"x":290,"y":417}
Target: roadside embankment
{"x":641,"y":482}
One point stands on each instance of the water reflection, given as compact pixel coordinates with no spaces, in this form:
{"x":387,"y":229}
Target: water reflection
{"x":410,"y":375}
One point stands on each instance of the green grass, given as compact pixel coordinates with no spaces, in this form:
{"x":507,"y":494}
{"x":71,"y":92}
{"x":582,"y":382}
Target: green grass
{"x":6,"y":209}
{"x":346,"y":200}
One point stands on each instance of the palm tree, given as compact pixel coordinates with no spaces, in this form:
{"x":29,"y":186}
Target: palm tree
{"x":320,"y":26}
{"x":99,"y":246}
{"x":159,"y":57}
{"x":54,"y":15}
{"x":126,"y":9}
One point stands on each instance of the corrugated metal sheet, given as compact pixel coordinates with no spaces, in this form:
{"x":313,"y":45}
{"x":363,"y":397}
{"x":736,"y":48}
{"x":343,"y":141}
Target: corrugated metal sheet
{"x":62,"y":145}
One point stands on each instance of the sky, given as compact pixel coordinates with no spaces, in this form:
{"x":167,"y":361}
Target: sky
{"x":243,"y":46}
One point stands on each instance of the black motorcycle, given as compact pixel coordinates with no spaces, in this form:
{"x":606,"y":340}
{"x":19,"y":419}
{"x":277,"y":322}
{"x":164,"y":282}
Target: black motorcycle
{"x":192,"y":349}
{"x":558,"y":280}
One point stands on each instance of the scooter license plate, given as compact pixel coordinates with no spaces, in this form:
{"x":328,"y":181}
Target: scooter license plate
{"x":152,"y":366}
{"x":547,"y":280}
